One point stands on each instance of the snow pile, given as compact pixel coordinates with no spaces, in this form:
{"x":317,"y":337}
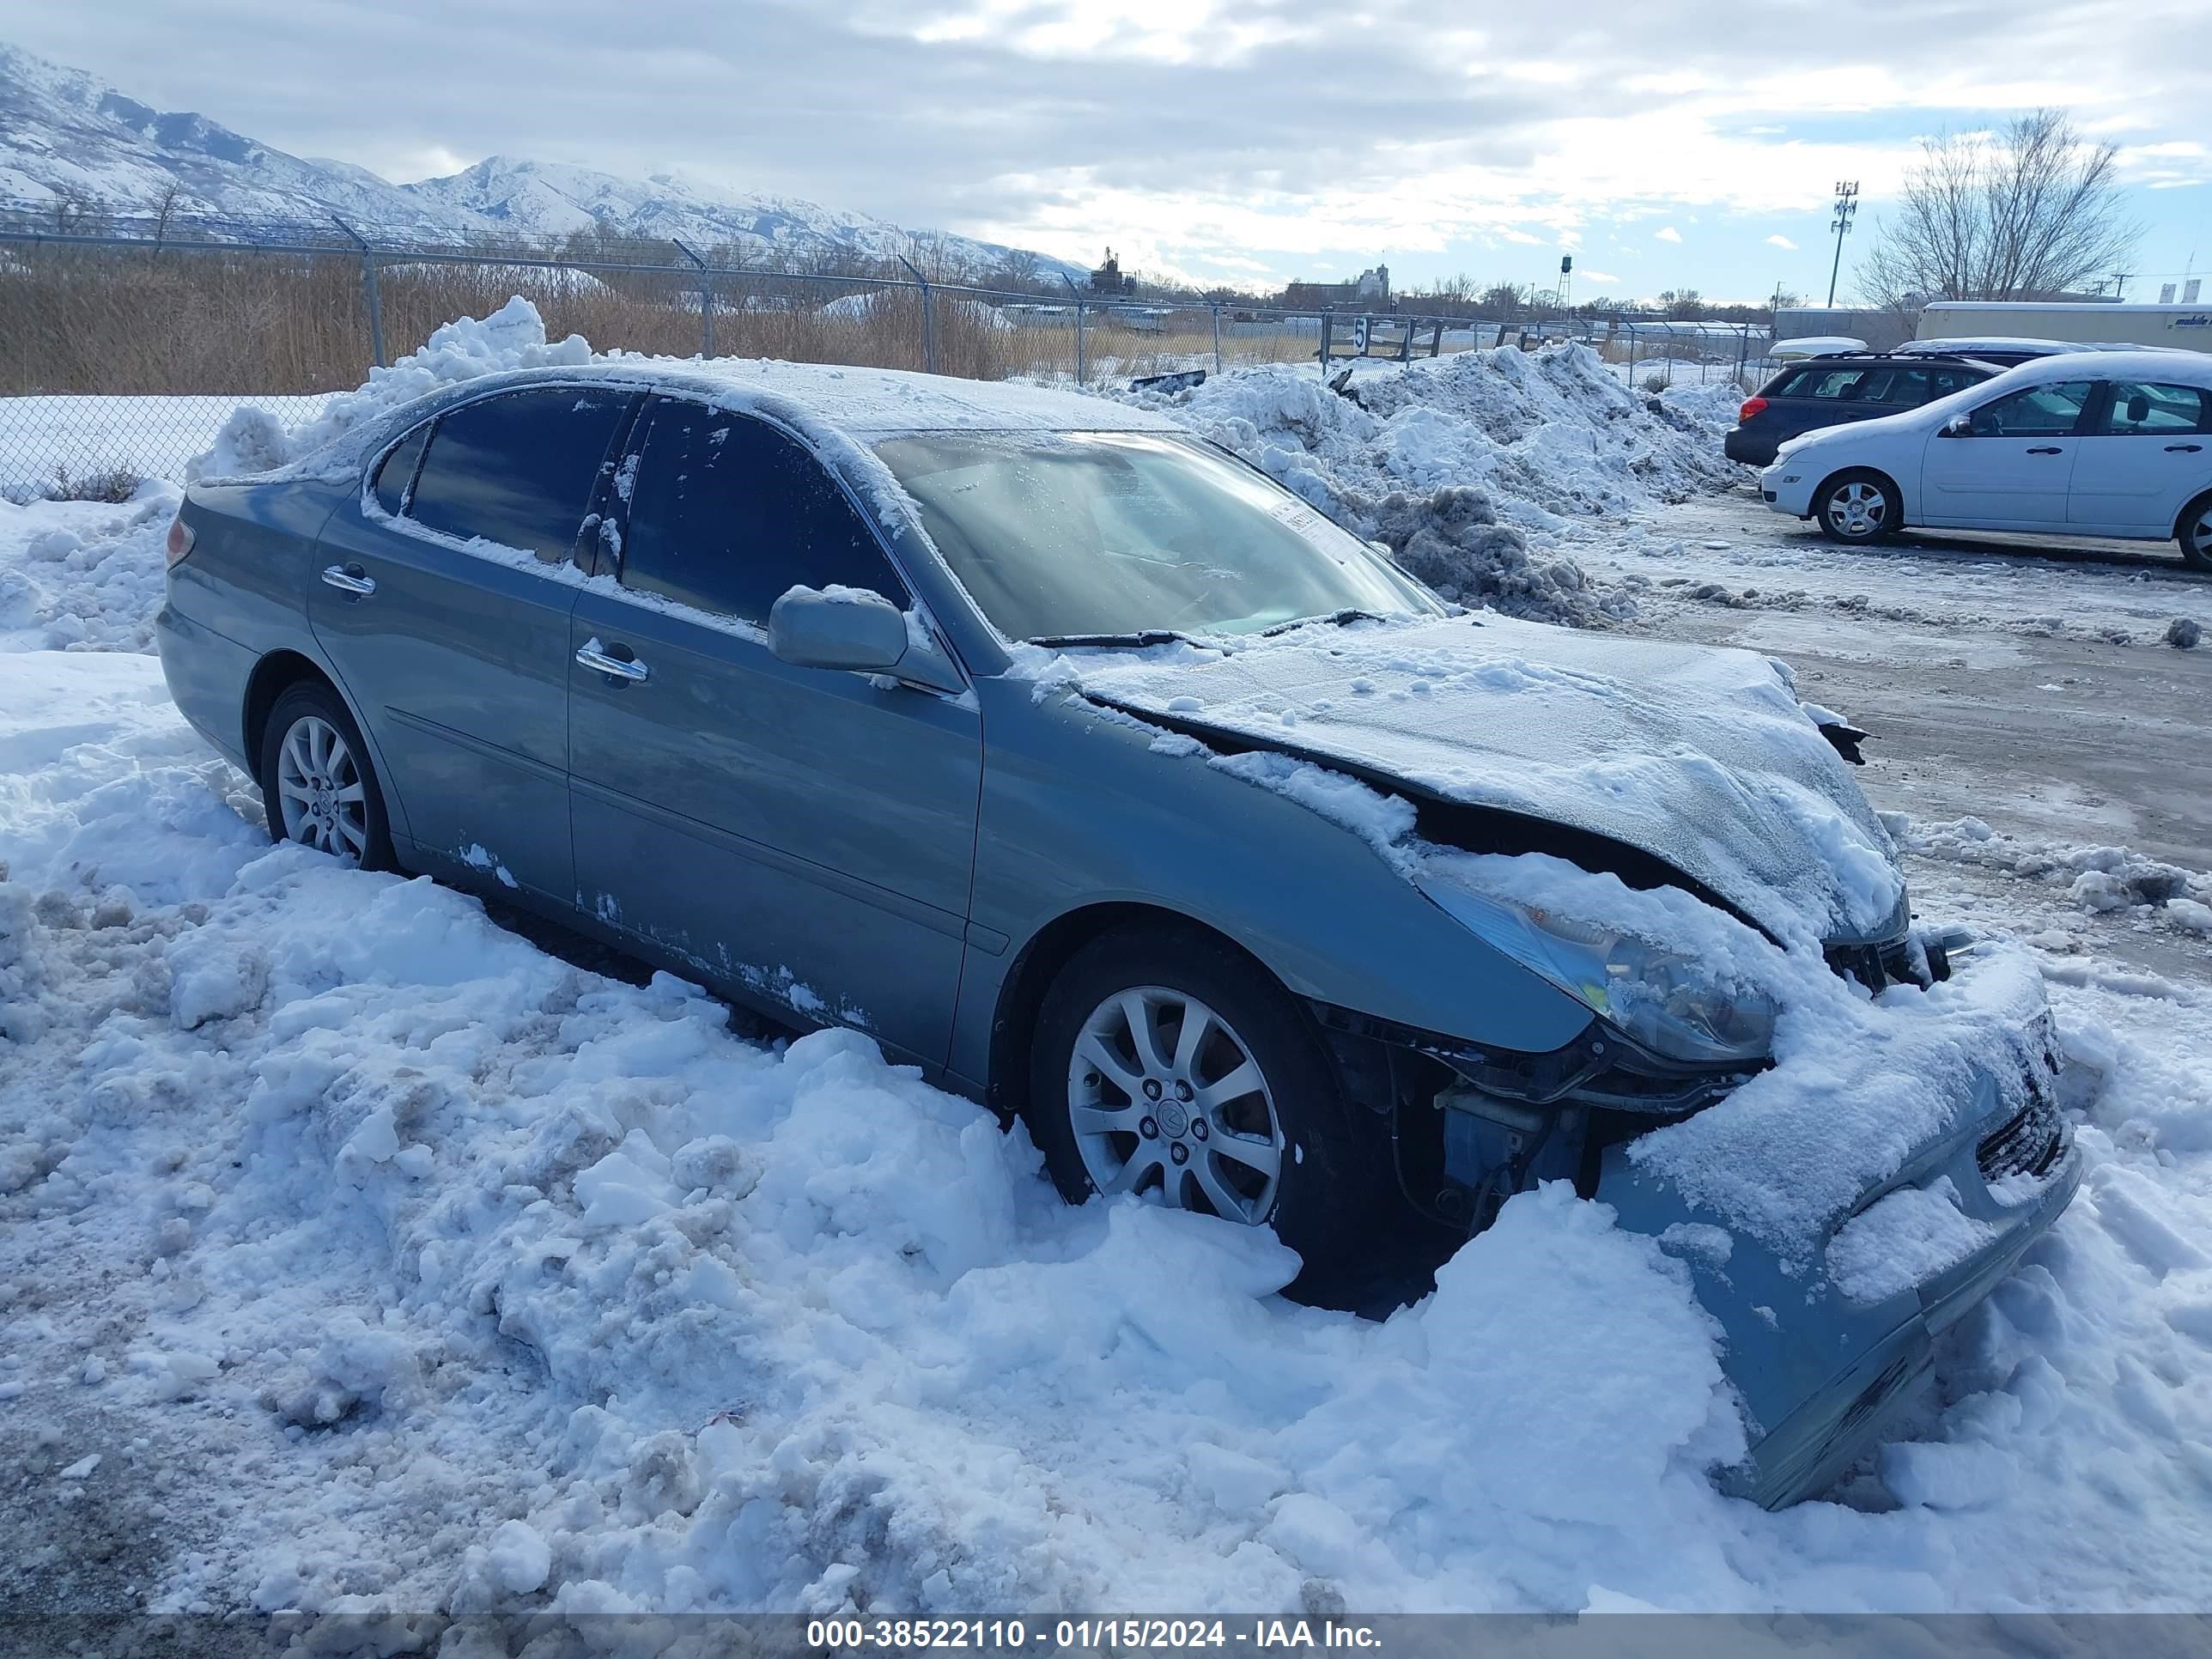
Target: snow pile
{"x":384,"y":1261}
{"x":253,"y":441}
{"x":1450,"y":462}
{"x":2100,"y":879}
{"x":78,"y":576}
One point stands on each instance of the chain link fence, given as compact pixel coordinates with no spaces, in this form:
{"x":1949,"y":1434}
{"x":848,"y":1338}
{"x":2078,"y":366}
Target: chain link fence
{"x":124,"y":346}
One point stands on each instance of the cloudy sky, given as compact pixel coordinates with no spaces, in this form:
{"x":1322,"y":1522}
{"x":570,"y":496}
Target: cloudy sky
{"x":1670,"y":143}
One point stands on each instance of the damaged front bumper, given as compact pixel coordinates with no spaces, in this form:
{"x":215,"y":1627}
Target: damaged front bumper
{"x":1819,"y":1349}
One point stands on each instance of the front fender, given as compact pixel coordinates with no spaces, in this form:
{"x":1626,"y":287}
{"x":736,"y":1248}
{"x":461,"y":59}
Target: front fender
{"x":1083,"y":806}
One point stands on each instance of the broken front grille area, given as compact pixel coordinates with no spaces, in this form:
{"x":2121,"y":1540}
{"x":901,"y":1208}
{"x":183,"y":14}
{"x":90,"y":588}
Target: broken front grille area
{"x":2028,"y":1143}
{"x":1879,"y":965}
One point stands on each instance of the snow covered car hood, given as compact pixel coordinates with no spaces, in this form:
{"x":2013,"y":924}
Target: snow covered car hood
{"x":1701,"y":758}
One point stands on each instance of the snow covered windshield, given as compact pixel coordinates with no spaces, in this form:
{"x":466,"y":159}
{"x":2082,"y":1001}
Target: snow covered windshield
{"x":1083,"y":534}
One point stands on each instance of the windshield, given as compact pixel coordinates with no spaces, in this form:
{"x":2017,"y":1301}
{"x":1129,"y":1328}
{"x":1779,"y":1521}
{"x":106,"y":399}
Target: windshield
{"x":1074,"y":533}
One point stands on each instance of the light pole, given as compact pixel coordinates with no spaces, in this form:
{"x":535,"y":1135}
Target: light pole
{"x":1847,"y":206}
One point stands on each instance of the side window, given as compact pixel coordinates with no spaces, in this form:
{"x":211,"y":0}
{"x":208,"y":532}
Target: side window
{"x":726,"y":513}
{"x":1791,"y":385}
{"x":1838,"y":383}
{"x":2040,"y":411}
{"x":2140,"y":409}
{"x":398,"y":470}
{"x":517,"y":468}
{"x":1908,"y":387}
{"x":1945,"y":381}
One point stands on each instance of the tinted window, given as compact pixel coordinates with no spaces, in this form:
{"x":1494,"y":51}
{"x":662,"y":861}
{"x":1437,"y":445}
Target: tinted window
{"x":2139,"y":408}
{"x":2041,"y":411}
{"x":726,"y":513}
{"x":398,"y":470}
{"x":1862,"y":383}
{"x":517,"y":469}
{"x":1948,"y":380}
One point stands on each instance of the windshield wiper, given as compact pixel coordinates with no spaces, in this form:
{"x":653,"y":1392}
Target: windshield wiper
{"x":1141,"y":637}
{"x":1347,"y":615}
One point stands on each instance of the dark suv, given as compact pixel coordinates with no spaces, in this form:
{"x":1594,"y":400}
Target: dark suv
{"x":1851,"y":386}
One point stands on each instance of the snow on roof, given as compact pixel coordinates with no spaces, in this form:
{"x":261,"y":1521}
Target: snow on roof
{"x":2133,"y":363}
{"x":1966,"y":345}
{"x":1816,"y":345}
{"x":2071,"y":307}
{"x":509,"y":348}
{"x":872,"y":402}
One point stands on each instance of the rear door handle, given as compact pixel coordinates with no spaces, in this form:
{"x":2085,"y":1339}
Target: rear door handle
{"x":2183,"y":449}
{"x":350,"y":578}
{"x":2050,"y":449}
{"x":593,"y":655}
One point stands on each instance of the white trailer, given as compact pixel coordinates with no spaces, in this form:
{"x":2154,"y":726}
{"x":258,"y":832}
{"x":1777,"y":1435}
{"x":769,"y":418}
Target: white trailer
{"x":2187,"y":328}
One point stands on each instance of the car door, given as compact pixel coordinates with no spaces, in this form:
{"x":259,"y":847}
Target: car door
{"x":2011,"y":469}
{"x":804,"y":834}
{"x":2148,"y":455}
{"x":444,"y":608}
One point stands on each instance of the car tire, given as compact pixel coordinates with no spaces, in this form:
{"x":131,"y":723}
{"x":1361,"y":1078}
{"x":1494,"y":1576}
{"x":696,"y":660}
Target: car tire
{"x":1857,"y":508}
{"x":319,"y":786}
{"x":2194,"y":532}
{"x":1328,"y":1163}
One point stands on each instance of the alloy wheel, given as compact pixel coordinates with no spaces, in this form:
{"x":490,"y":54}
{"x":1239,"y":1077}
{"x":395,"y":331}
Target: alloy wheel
{"x":320,"y":789}
{"x":1166,"y":1097}
{"x":1858,"y":509}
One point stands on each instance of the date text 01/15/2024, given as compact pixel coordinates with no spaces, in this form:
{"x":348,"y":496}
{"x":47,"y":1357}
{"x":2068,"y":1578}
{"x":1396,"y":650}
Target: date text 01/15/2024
{"x":1016,"y":1635}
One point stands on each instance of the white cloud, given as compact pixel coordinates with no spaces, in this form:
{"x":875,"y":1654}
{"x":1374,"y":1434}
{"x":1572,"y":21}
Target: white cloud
{"x":1201,"y":130}
{"x":1782,"y":241}
{"x":1599,"y":276}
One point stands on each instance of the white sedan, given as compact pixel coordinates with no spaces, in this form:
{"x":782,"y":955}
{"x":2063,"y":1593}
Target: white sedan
{"x":2091,"y":443}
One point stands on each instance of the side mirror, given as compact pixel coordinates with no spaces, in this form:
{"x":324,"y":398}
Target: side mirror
{"x":1958,"y":426}
{"x":854,"y":630}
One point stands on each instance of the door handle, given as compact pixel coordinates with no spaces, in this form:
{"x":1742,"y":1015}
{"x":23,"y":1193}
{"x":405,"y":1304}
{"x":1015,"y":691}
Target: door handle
{"x":2046,"y":449}
{"x":349,"y":579}
{"x":2183,"y":449}
{"x":593,"y":655}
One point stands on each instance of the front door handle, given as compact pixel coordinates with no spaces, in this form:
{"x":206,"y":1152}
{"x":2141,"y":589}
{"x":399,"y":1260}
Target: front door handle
{"x":350,"y":578}
{"x":2183,"y":449}
{"x":2046,"y":449}
{"x":594,"y":656}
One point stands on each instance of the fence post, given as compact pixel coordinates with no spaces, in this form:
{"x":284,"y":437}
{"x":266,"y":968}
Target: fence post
{"x":1328,"y":322}
{"x":1217,"y":339}
{"x":368,"y":288}
{"x":928,"y":319}
{"x":706,"y":298}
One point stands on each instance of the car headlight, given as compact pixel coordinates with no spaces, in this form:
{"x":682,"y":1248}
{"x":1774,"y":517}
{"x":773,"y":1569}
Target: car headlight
{"x":1670,"y":1003}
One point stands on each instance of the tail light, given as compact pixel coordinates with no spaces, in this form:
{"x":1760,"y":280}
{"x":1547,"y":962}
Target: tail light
{"x":180,"y":537}
{"x":1752,"y":406}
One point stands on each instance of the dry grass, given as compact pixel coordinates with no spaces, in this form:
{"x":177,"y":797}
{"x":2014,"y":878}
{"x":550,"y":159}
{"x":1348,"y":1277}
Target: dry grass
{"x":191,"y":321}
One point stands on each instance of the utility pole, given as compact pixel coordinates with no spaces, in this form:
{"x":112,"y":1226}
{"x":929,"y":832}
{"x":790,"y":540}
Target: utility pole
{"x":1847,"y":206}
{"x":2120,"y":283}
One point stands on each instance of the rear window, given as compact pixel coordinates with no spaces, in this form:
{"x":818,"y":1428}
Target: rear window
{"x":517,"y":469}
{"x":2145,"y":409}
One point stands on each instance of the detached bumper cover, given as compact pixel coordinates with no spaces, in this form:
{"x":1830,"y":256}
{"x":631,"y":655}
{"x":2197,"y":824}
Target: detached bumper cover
{"x":1819,"y":1352}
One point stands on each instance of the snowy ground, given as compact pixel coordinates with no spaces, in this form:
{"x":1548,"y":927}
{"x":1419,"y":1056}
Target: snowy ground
{"x":356,"y":1251}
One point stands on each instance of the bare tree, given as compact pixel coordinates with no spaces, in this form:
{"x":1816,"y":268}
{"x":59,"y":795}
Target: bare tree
{"x":2030,"y":209}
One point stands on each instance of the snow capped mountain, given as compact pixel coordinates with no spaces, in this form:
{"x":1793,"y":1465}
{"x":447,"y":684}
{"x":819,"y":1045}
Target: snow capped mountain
{"x":68,"y":138}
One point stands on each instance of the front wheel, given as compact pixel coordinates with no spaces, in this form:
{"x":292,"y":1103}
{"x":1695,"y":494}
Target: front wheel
{"x":1858,"y":508}
{"x":318,"y":787}
{"x":1168,"y":1066}
{"x":2196,"y":537}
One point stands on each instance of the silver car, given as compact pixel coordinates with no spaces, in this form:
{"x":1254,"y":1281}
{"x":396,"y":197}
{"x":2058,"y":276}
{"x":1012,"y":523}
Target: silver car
{"x":1090,"y":771}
